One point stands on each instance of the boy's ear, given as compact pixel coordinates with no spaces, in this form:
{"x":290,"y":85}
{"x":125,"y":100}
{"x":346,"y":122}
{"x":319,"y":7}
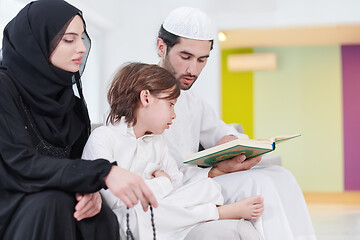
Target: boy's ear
{"x":161,"y":47}
{"x":145,"y":97}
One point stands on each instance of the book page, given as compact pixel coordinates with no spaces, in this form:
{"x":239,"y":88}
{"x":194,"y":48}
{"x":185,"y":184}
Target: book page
{"x":279,"y":139}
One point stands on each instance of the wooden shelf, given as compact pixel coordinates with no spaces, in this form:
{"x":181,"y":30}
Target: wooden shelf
{"x":349,"y":197}
{"x":295,"y":36}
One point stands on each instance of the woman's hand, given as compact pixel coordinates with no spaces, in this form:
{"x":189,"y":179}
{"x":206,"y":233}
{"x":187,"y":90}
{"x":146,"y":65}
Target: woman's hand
{"x":130,"y":188}
{"x":88,"y":205}
{"x":161,"y":173}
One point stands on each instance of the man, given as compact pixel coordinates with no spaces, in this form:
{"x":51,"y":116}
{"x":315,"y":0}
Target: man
{"x":184,"y":43}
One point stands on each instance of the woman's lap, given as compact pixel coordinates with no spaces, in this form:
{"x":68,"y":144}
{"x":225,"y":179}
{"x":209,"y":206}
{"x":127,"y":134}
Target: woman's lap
{"x":49,"y":215}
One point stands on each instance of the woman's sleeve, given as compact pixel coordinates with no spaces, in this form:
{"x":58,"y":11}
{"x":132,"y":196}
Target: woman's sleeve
{"x":23,"y":169}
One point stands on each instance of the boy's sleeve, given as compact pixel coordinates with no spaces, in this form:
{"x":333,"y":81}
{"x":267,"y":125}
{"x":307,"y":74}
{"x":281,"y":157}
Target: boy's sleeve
{"x":98,"y":146}
{"x":170,"y":167}
{"x":160,"y":186}
{"x":192,"y":172}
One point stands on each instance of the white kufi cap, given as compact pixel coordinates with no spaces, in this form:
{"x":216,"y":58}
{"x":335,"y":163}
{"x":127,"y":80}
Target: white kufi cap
{"x":189,"y":23}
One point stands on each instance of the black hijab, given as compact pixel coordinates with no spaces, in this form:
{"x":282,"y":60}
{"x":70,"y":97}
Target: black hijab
{"x":29,"y":40}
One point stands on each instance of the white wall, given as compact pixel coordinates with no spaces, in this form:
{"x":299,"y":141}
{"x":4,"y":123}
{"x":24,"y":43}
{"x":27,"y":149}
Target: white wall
{"x":126,"y":31}
{"x":132,"y":37}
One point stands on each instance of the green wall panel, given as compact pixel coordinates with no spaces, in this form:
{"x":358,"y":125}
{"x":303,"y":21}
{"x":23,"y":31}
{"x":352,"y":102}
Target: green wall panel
{"x":304,"y":95}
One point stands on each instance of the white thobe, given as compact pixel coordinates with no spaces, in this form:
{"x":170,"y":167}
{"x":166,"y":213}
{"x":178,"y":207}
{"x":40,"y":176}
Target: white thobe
{"x":181,"y":206}
{"x":285,"y":217}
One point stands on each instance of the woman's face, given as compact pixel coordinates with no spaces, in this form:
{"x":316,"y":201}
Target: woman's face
{"x":68,"y":53}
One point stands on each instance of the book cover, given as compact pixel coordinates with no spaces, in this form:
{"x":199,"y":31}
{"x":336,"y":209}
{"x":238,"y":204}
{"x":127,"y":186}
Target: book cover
{"x":249,"y":147}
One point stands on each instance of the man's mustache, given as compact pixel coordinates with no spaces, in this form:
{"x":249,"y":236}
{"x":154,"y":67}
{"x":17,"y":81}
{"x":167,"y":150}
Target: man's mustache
{"x":189,"y":75}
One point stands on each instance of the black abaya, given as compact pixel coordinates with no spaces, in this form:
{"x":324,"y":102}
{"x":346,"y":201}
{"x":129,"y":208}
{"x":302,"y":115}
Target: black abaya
{"x":49,"y":215}
{"x":26,"y":174}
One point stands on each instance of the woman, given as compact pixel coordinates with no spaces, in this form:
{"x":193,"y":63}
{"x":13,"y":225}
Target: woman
{"x":46,"y":191}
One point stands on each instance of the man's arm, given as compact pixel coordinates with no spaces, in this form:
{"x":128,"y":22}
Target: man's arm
{"x":235,"y":164}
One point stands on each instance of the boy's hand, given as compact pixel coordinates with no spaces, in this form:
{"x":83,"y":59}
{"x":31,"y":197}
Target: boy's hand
{"x":130,"y":188}
{"x":160,"y":173}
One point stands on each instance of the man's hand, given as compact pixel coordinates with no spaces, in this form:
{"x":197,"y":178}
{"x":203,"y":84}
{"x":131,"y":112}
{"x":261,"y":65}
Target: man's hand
{"x":88,"y":205}
{"x":130,"y":188}
{"x":226,"y":139}
{"x":235,"y":164}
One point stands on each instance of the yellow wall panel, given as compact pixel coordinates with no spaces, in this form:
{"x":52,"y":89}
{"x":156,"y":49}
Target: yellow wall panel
{"x":237,"y":94}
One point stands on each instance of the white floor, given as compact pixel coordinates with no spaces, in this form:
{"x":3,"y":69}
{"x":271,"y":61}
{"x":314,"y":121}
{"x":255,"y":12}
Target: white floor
{"x":336,"y":222}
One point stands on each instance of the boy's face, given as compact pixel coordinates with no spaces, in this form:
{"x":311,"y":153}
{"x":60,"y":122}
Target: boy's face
{"x":185,"y":60}
{"x":161,"y":113}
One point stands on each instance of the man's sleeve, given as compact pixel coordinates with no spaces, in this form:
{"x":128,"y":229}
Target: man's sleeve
{"x":213,"y":128}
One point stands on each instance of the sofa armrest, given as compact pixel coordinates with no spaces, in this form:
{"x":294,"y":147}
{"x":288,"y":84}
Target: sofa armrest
{"x":270,"y":160}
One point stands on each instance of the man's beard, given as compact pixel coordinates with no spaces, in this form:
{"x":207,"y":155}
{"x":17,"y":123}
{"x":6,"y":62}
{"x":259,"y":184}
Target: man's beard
{"x":169,"y":67}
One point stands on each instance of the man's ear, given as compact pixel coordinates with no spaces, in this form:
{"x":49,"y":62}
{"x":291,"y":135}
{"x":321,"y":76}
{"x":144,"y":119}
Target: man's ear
{"x":161,"y":47}
{"x":145,"y":98}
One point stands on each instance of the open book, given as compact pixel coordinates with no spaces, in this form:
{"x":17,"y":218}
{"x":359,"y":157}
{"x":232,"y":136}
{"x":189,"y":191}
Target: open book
{"x":249,"y":147}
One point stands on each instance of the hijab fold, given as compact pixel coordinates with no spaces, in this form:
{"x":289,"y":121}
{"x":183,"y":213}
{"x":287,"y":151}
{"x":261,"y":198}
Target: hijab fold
{"x":28,"y":42}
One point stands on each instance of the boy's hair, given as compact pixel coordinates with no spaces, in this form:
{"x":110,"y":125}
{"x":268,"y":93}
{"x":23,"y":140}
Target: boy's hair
{"x":172,"y":39}
{"x":124,"y":92}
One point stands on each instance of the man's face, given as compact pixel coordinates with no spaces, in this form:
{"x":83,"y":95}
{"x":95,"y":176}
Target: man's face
{"x":185,"y":60}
